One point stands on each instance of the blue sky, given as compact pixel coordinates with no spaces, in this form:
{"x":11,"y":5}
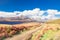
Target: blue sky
{"x":20,"y":5}
{"x":34,"y":9}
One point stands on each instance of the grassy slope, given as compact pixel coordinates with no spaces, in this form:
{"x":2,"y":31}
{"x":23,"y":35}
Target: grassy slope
{"x":54,"y":21}
{"x":28,"y":25}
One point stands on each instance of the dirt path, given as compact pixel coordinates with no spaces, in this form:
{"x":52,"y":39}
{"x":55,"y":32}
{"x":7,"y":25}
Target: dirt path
{"x":24,"y":36}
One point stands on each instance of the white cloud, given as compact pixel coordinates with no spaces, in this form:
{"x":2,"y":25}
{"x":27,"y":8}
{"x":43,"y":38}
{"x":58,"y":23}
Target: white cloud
{"x":35,"y":14}
{"x":7,"y":14}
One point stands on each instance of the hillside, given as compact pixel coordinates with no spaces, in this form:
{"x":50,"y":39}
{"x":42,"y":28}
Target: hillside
{"x":7,"y":30}
{"x":54,"y":21}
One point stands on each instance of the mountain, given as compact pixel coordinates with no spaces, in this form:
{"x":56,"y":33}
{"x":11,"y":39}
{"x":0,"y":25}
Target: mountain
{"x":15,"y":19}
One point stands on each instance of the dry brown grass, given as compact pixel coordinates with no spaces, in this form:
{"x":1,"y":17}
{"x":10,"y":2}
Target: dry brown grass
{"x":22,"y":26}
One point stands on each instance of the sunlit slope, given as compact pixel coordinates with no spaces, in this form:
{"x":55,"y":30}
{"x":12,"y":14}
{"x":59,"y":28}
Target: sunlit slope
{"x":53,"y":21}
{"x":48,"y":32}
{"x":7,"y":31}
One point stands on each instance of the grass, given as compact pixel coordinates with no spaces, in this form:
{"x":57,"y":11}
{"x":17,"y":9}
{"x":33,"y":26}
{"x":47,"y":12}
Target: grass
{"x":54,"y":21}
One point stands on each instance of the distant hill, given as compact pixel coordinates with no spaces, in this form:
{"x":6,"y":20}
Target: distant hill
{"x":54,"y":21}
{"x":15,"y":19}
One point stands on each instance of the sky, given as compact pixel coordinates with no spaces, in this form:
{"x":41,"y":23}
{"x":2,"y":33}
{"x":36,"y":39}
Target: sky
{"x":20,"y":5}
{"x":33,"y":9}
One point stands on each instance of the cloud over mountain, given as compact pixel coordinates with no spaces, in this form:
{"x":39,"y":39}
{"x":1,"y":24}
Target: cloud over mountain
{"x":35,"y":14}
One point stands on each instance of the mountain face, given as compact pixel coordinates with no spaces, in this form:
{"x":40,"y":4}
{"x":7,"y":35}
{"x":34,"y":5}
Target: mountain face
{"x":23,"y":18}
{"x":16,"y":19}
